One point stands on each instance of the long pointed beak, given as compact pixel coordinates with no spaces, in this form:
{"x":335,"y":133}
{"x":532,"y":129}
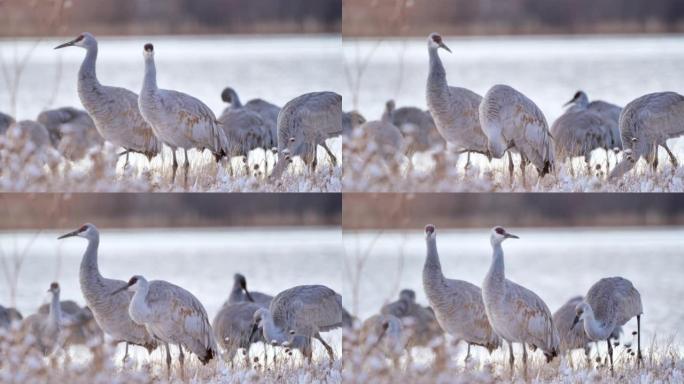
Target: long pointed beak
{"x":125,"y":287}
{"x":574,"y":322}
{"x":442,"y":45}
{"x":569,"y":102}
{"x":69,"y":44}
{"x":511,"y":236}
{"x":249,"y":297}
{"x":70,"y":234}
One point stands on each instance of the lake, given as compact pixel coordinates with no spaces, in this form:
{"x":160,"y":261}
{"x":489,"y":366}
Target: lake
{"x":557,"y":264}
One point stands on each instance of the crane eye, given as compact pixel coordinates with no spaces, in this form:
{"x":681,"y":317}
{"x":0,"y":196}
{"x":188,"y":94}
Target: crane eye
{"x":83,"y":228}
{"x":500,"y":230}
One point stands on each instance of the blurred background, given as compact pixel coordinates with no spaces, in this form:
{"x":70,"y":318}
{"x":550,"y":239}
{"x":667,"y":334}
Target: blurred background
{"x":196,"y":241}
{"x":567,"y":243}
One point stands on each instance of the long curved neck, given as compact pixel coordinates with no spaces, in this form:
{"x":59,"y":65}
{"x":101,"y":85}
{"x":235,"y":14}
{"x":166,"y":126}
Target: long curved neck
{"x":594,"y":329}
{"x":235,"y":100}
{"x":437,"y":74}
{"x":271,"y":331}
{"x":55,"y":310}
{"x":138,"y":309}
{"x":432,"y":270}
{"x":235,"y":293}
{"x":90,"y":272}
{"x":496,"y":276}
{"x":87,"y":75}
{"x":150,"y":79}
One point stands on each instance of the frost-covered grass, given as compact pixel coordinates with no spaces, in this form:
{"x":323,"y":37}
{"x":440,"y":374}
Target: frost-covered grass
{"x":99,"y":363}
{"x":443,"y":362}
{"x":445,"y":171}
{"x":23,"y":167}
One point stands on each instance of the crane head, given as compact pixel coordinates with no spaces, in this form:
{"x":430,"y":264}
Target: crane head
{"x":228,"y":95}
{"x":435,"y":42}
{"x":87,"y":231}
{"x":390,"y":106}
{"x":84,"y":40}
{"x":148,"y":50}
{"x":407,"y":294}
{"x":579,"y":96}
{"x":430,"y":231}
{"x":581,"y":310}
{"x":54,"y":288}
{"x":499,"y":234}
{"x":132,"y":285}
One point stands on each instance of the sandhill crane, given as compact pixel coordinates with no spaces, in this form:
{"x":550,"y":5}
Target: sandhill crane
{"x":610,"y":303}
{"x":113,"y":109}
{"x":646,"y":123}
{"x":454,"y":109}
{"x":386,"y":332}
{"x":386,"y":136}
{"x":416,"y":126}
{"x":31,"y":131}
{"x":304,"y":310}
{"x":179,"y":120}
{"x":573,"y":337}
{"x":579,"y":131}
{"x":233,"y":328}
{"x":517,"y":314}
{"x":350,"y":121}
{"x":110,"y":311}
{"x":608,"y":111}
{"x":267,"y":111}
{"x":83,"y":326}
{"x":422,"y":325}
{"x":72,"y":131}
{"x":173,"y":315}
{"x":5,"y":122}
{"x":47,"y":328}
{"x":512,"y":122}
{"x":8,"y":316}
{"x":457,"y":304}
{"x":304,"y":123}
{"x":244,"y":131}
{"x":239,"y":293}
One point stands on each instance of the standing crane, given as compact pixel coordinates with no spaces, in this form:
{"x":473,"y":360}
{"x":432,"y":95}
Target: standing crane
{"x":268,"y":112}
{"x":47,"y":328}
{"x":172,"y":315}
{"x":610,"y":303}
{"x":110,"y":311}
{"x":239,"y":293}
{"x":82,"y":329}
{"x":113,"y":109}
{"x":517,"y":314}
{"x":422,"y":326}
{"x":177,"y":119}
{"x":457,"y":304}
{"x":233,"y":328}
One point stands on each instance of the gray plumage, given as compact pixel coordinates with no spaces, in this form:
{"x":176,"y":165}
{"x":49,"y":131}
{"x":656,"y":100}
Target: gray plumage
{"x":72,"y":131}
{"x":421,"y":322}
{"x":5,"y":122}
{"x":458,"y":304}
{"x":304,"y":123}
{"x":177,"y":119}
{"x":517,"y":314}
{"x":233,"y":327}
{"x":416,"y":126}
{"x":30,"y":131}
{"x":647,"y":123}
{"x":268,"y":112}
{"x":347,"y":319}
{"x":579,"y":131}
{"x":386,"y":137}
{"x":350,"y":121}
{"x":113,"y":109}
{"x":513,"y":122}
{"x":454,"y":109}
{"x":610,"y":114}
{"x":8,"y":316}
{"x":244,"y":131}
{"x":83,"y":328}
{"x":573,"y":337}
{"x":173,"y":315}
{"x":387,"y":332}
{"x":110,"y":311}
{"x":239,"y":293}
{"x":304,"y":310}
{"x":47,"y":328}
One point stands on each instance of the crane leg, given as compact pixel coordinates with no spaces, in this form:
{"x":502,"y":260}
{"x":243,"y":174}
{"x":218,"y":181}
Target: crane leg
{"x":125,"y":354}
{"x":168,"y":360}
{"x":174,"y":165}
{"x":523,"y":165}
{"x":610,"y":355}
{"x":639,"y":358}
{"x":655,"y":158}
{"x":327,"y":347}
{"x":332,"y":157}
{"x":673,"y":159}
{"x":314,"y":163}
{"x":126,"y":163}
{"x":607,"y":161}
{"x":524,"y":360}
{"x":467,"y":166}
{"x":186,"y":165}
{"x":181,"y":359}
{"x":467,"y":358}
{"x":510,"y":167}
{"x":511,"y":358}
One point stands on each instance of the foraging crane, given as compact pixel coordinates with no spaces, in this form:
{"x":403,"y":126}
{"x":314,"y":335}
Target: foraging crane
{"x":83,"y":327}
{"x":113,"y":109}
{"x":457,"y":304}
{"x":239,"y":293}
{"x":416,"y":126}
{"x":244,"y":131}
{"x":31,"y":131}
{"x":608,"y":111}
{"x":610,"y":303}
{"x":304,"y":123}
{"x":386,"y":136}
{"x":47,"y":328}
{"x":5,"y":122}
{"x":173,"y":315}
{"x":573,"y":337}
{"x":454,"y":109}
{"x":647,"y":123}
{"x":512,"y":122}
{"x":517,"y":314}
{"x":9,"y":316}
{"x":177,"y":119}
{"x":422,"y":326}
{"x":110,"y":311}
{"x":350,"y":121}
{"x":579,"y":131}
{"x":304,"y":310}
{"x":268,"y":112}
{"x":233,"y":328}
{"x":72,"y":131}
{"x":386,"y":332}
